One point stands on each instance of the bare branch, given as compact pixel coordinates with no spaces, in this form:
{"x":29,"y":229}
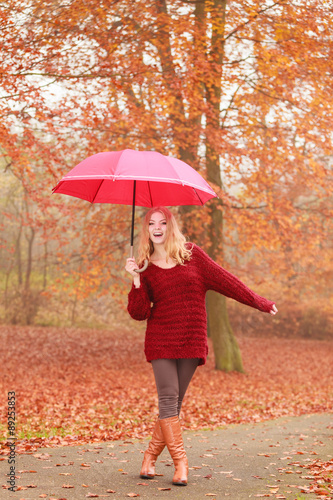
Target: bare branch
{"x":253,"y":18}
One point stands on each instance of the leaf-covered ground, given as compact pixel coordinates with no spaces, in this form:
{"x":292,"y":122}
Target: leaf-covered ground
{"x":75,"y":386}
{"x":321,"y":478}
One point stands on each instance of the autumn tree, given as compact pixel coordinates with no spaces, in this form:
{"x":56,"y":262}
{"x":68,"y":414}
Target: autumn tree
{"x":239,"y":89}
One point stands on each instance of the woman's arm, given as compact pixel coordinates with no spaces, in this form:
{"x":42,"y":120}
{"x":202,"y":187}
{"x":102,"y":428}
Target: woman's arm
{"x":138,"y":299}
{"x":220,"y":280}
{"x":139,"y":305}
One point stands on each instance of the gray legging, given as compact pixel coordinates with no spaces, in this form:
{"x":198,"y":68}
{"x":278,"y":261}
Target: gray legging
{"x":172,"y":377}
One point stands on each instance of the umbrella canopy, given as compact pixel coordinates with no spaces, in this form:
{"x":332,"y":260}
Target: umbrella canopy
{"x":160,"y":180}
{"x":137,"y":178}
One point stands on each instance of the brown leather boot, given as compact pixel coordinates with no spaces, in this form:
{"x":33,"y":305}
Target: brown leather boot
{"x":155,"y":448}
{"x":173,"y":438}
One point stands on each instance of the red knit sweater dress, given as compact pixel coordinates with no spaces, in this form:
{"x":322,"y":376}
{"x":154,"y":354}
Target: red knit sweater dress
{"x":173,"y":302}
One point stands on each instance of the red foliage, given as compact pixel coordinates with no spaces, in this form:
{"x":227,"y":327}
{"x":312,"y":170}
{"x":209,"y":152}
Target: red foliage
{"x":78,"y":386}
{"x":321,"y":483}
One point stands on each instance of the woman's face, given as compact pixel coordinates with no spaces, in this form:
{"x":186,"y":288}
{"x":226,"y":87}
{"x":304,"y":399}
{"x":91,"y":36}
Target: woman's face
{"x":157,"y":228}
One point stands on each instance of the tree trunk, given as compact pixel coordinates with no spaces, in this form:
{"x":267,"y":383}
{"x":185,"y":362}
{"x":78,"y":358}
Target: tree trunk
{"x":29,"y":258}
{"x":18,"y":256}
{"x":190,"y":153}
{"x":226,"y":349}
{"x":45,"y":265}
{"x":227,"y":355}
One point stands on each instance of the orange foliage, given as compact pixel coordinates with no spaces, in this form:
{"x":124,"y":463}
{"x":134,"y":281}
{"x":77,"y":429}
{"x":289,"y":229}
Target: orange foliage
{"x":95,"y":385}
{"x":249,"y":85}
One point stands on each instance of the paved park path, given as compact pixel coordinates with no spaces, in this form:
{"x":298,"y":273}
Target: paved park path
{"x":237,"y":462}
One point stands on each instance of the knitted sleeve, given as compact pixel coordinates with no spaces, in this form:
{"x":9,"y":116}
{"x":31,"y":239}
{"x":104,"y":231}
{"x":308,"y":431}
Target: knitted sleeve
{"x":220,"y":280}
{"x":139,"y":302}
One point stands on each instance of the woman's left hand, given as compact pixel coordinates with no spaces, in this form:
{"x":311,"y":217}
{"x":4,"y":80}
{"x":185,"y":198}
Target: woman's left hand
{"x":273,"y":310}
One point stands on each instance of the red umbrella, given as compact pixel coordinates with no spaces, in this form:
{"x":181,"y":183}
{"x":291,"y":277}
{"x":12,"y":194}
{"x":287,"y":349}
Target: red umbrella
{"x":142,"y":178}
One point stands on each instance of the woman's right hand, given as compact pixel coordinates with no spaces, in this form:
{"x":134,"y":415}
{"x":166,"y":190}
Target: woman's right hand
{"x":130,"y":266}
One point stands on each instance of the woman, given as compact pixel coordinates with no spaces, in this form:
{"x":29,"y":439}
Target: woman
{"x":175,"y":282}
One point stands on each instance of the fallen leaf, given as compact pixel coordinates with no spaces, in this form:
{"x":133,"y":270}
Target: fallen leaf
{"x":262,"y":371}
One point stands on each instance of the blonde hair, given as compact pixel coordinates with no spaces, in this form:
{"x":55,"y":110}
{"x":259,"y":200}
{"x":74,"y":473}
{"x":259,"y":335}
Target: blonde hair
{"x":174,"y":243}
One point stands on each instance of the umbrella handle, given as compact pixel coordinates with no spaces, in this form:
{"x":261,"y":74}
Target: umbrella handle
{"x":145,"y":265}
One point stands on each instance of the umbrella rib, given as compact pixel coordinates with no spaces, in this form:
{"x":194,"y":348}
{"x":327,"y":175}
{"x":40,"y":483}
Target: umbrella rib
{"x":99,"y":187}
{"x":151,"y":199}
{"x":198,"y":196}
